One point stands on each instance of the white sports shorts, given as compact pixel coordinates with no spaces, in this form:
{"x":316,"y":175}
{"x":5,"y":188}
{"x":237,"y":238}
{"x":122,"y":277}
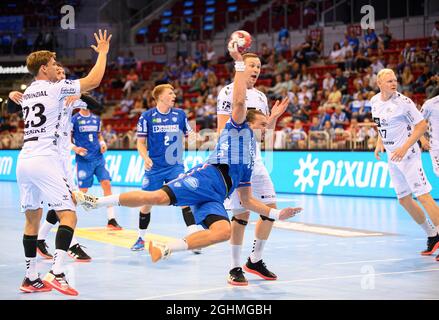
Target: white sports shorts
{"x":408,"y":176}
{"x":262,"y":189}
{"x":41,"y":179}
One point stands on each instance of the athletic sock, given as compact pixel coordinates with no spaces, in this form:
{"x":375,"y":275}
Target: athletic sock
{"x":30,"y":253}
{"x":177,"y":245}
{"x":258,"y":247}
{"x":236,"y":256}
{"x":429,"y":229}
{"x":188,"y":216}
{"x":106,"y":201}
{"x":144,"y":219}
{"x":62,"y":243}
{"x":110,"y":213}
{"x":51,"y":220}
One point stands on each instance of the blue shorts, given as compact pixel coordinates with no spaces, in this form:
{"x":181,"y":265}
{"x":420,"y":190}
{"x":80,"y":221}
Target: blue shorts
{"x":203,"y":188}
{"x":86,"y":170}
{"x":156,"y":178}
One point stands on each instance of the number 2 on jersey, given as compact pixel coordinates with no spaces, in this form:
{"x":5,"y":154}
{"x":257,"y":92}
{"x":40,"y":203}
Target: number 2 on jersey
{"x":39,"y":114}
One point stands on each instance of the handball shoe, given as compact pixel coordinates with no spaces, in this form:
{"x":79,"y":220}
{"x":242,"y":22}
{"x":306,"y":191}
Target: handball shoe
{"x":42,"y":249}
{"x":236,"y":277}
{"x":260,"y":269}
{"x":432,"y":245}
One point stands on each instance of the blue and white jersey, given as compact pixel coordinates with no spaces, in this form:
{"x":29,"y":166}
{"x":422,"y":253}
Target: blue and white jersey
{"x":86,"y":131}
{"x":164,"y":135}
{"x":236,"y":147}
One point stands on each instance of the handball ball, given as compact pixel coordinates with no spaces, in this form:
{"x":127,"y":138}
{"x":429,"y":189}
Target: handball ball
{"x":243,"y":39}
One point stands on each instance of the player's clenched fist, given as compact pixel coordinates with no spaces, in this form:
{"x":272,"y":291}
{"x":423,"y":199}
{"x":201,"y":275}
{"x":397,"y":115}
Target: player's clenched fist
{"x":103,"y":43}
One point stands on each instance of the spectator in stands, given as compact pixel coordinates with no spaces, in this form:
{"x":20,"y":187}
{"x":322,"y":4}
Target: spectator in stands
{"x":294,"y":105}
{"x":317,"y":139}
{"x":305,"y":92}
{"x":349,"y":62}
{"x":334,"y":98}
{"x":369,"y":133}
{"x":435,"y":31}
{"x":323,"y":117}
{"x":305,"y":109}
{"x":283,"y":34}
{"x":385,"y":38}
{"x":356,"y":107}
{"x":341,"y":82}
{"x":297,"y":138}
{"x":419,"y":57}
{"x":6,"y":139}
{"x":371,"y":78}
{"x":265,"y":53}
{"x":210,"y":54}
{"x":277,"y":88}
{"x":110,"y":136}
{"x":336,"y":56}
{"x":432,"y":90}
{"x":329,"y":130}
{"x":362,"y":61}
{"x":408,"y":53}
{"x":20,"y":45}
{"x":117,"y":82}
{"x":328,"y":82}
{"x":432,"y":58}
{"x":137,"y":110}
{"x":376,"y":65}
{"x":128,"y":140}
{"x":288,"y":83}
{"x":38,"y":42}
{"x":371,"y":39}
{"x":353,"y":40}
{"x":339,"y":118}
{"x":407,"y":79}
{"x":130,"y":61}
{"x":131,"y":82}
{"x":17,"y":139}
{"x":423,"y":81}
{"x":197,"y":79}
{"x":282,"y":46}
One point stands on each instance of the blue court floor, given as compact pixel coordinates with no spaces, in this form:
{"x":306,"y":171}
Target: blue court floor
{"x":338,"y":248}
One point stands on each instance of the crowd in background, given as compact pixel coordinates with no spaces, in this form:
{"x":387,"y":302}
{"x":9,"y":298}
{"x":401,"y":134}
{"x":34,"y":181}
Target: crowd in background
{"x":329,"y":113}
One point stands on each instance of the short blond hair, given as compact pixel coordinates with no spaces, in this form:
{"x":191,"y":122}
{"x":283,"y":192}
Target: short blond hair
{"x":384,"y":72}
{"x":249,"y":55}
{"x":158,"y":90}
{"x":36,"y":59}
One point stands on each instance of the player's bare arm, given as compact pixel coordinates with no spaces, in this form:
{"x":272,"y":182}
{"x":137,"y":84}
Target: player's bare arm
{"x":93,"y":79}
{"x":418,"y":131}
{"x":379,"y":148}
{"x":239,"y":111}
{"x":143,"y":151}
{"x":252,"y":204}
{"x":278,"y":109}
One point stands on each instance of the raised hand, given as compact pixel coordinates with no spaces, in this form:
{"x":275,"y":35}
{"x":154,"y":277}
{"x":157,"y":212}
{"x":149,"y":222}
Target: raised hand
{"x":287,"y":213}
{"x":280,"y":107}
{"x":70,"y":100}
{"x":16,"y":96}
{"x":233,"y":51}
{"x":103,"y":43}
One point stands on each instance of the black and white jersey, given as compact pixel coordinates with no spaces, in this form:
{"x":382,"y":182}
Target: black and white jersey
{"x":43,"y":114}
{"x":430,"y":111}
{"x":254,"y":99}
{"x":395,"y":119}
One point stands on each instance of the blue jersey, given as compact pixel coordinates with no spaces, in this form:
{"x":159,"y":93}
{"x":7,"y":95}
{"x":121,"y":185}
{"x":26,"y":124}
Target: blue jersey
{"x":164,"y":135}
{"x":236,"y":147}
{"x":86,"y":131}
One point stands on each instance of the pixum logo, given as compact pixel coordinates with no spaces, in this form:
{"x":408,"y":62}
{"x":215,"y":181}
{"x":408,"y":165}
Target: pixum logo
{"x":315,"y":175}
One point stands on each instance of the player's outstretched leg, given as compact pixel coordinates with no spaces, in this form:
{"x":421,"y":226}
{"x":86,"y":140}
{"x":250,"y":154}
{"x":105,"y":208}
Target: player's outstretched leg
{"x":219,"y":231}
{"x":112,"y":223}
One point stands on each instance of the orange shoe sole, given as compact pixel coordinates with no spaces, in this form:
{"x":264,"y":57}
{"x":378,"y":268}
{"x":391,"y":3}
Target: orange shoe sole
{"x":70,"y":292}
{"x":238,"y":284}
{"x":258,"y":274}
{"x":45,"y":256}
{"x":429,"y":253}
{"x":113,"y":228}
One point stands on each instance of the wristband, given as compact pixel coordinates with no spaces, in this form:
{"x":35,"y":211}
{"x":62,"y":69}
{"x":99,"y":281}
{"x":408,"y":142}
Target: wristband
{"x":239,"y":66}
{"x":274,"y":214}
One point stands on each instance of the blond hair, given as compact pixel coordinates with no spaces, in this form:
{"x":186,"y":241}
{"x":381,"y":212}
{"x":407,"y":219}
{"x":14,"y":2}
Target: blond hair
{"x":249,"y":55}
{"x":36,"y":59}
{"x":158,"y":90}
{"x":384,"y":72}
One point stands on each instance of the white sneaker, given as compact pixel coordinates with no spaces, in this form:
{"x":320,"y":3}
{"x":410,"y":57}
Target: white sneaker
{"x":88,"y":202}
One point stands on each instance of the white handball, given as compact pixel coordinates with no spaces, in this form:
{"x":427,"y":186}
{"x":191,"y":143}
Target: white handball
{"x":243,"y":41}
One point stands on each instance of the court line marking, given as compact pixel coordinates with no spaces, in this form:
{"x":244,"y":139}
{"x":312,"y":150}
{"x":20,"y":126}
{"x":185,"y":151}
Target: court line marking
{"x":273,"y":283}
{"x":366,"y":261}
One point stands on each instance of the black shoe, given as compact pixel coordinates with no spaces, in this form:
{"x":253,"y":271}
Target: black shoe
{"x":113,"y":225}
{"x":42,"y":249}
{"x":432,"y":245}
{"x":37,"y":285}
{"x":78,"y":254}
{"x":236,"y":277}
{"x":260,"y":269}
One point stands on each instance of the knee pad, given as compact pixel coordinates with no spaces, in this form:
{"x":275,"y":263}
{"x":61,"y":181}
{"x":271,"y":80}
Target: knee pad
{"x":239,"y":221}
{"x":264,"y":218}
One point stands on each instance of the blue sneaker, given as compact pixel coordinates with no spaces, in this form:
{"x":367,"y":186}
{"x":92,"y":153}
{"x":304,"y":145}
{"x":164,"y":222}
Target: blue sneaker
{"x":139,"y":245}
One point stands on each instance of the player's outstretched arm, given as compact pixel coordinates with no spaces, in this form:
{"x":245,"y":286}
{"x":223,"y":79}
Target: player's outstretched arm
{"x":239,"y":111}
{"x":252,"y":204}
{"x":93,"y":79}
{"x":14,"y":101}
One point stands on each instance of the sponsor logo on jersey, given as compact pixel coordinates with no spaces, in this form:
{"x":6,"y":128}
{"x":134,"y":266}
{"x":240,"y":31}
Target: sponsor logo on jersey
{"x":145,"y":182}
{"x":174,"y":119}
{"x":156,"y":120}
{"x":191,"y":182}
{"x":165,"y":128}
{"x":68,"y":91}
{"x":89,"y":128}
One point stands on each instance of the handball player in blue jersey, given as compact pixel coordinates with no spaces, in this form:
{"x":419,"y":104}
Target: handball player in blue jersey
{"x":160,"y":133}
{"x":89,"y":146}
{"x":205,"y":187}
